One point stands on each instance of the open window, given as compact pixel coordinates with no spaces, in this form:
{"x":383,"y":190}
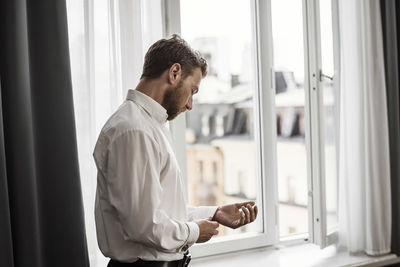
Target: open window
{"x":227,"y":142}
{"x":263,"y":126}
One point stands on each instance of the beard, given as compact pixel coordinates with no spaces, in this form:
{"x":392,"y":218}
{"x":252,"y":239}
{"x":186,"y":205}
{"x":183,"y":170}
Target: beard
{"x":171,"y":101}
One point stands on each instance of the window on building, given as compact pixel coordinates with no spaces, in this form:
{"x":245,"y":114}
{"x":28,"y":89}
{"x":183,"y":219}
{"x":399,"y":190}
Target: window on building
{"x":201,"y":171}
{"x":215,"y":172}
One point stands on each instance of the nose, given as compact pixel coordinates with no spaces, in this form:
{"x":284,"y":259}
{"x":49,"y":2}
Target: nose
{"x":189,"y":104}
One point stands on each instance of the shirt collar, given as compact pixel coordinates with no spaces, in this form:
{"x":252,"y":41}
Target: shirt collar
{"x":155,"y":110}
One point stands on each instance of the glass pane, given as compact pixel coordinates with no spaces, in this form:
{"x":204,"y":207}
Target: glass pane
{"x":221,"y":151}
{"x":287,"y":33}
{"x":330,"y":109}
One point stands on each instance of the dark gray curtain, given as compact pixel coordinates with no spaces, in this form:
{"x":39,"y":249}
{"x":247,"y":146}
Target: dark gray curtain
{"x":41,"y":219}
{"x":391,"y":30}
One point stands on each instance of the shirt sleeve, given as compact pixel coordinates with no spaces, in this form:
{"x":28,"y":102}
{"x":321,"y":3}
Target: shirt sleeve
{"x":200,"y":213}
{"x":134,"y":190}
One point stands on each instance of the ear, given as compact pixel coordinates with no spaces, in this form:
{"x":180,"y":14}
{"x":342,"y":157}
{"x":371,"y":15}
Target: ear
{"x":175,"y":73}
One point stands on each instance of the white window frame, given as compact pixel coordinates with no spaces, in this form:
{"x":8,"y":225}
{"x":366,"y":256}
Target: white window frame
{"x":315,"y":119}
{"x":265,"y":133}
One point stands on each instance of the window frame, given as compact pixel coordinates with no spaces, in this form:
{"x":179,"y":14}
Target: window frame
{"x":318,"y":232}
{"x":265,"y":134}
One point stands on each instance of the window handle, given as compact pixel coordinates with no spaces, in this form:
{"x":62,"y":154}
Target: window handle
{"x":322,"y":76}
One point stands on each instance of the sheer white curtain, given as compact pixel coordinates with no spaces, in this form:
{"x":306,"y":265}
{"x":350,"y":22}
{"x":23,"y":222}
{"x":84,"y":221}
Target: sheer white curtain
{"x":108,"y":40}
{"x":364,"y":171}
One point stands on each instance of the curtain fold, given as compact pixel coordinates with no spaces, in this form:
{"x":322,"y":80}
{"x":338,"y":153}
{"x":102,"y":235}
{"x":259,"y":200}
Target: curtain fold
{"x":5,"y":219}
{"x":364,"y":168}
{"x":40,"y":184}
{"x":391,"y":29}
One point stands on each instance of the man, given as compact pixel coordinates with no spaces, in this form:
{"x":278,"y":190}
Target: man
{"x":141,"y":215}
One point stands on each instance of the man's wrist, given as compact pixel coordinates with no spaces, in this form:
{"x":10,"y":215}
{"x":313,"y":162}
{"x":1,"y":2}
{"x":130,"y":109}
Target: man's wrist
{"x":215,"y":217}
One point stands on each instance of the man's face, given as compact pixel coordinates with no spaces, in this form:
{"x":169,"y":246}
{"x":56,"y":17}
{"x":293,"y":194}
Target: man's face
{"x":179,"y":98}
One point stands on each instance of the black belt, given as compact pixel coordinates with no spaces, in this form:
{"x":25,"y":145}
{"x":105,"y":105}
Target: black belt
{"x":141,"y":263}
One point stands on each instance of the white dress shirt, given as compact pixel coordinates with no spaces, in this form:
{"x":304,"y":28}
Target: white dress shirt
{"x":141,"y":209}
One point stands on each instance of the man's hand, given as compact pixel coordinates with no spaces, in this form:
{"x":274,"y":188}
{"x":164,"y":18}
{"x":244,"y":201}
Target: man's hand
{"x":236,"y":215}
{"x":207,"y":228}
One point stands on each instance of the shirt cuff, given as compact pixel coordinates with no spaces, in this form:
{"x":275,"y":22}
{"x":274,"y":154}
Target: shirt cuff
{"x":194,"y":233}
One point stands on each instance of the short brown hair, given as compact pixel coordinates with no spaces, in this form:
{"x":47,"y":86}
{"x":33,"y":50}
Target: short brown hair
{"x":166,"y":52}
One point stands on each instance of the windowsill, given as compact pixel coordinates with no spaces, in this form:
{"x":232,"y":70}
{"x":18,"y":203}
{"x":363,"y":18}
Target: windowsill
{"x":304,"y":255}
